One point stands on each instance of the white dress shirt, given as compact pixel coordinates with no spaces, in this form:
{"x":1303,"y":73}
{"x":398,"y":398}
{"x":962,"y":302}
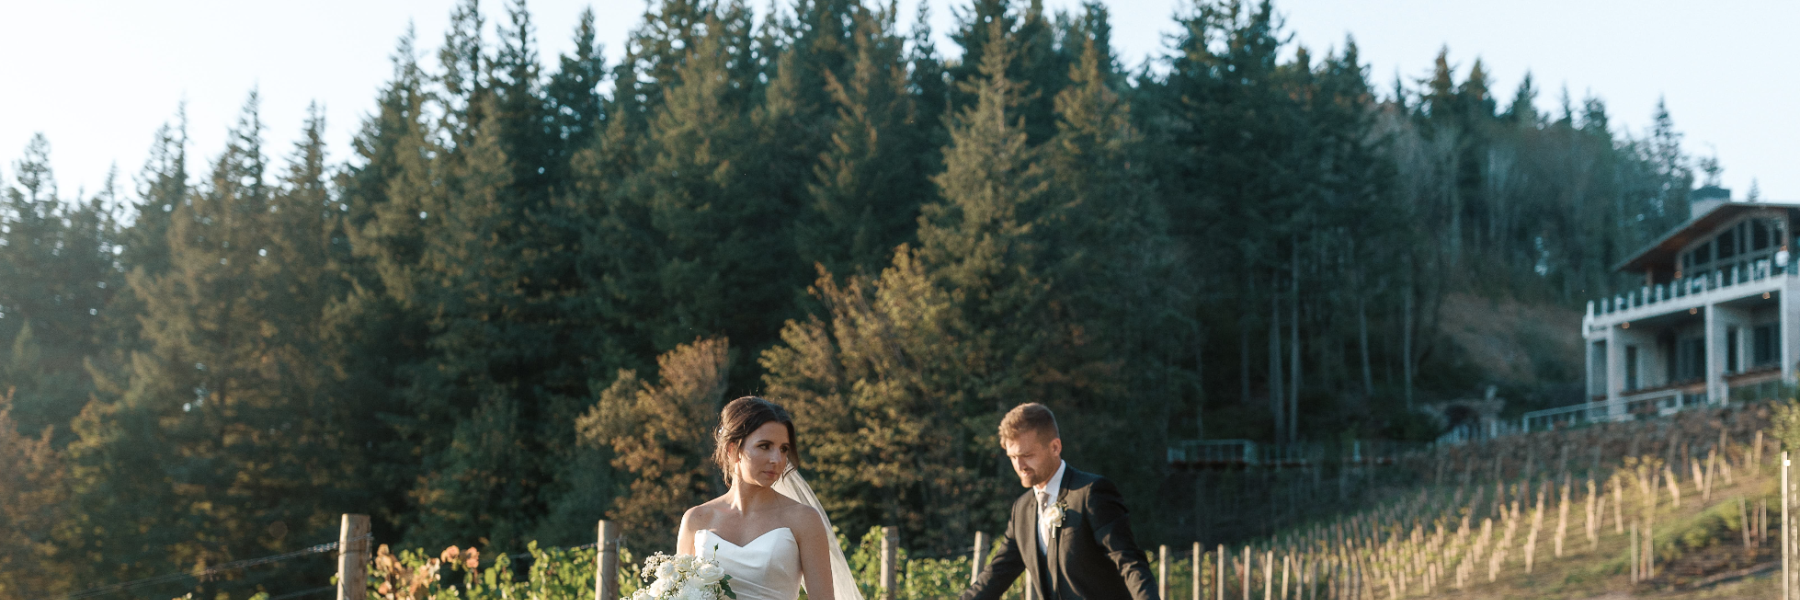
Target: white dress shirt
{"x":1046,"y":497}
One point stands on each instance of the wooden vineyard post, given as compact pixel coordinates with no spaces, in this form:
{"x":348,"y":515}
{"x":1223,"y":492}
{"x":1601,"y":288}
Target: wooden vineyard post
{"x":606,"y":568}
{"x":890,"y":556}
{"x":1562,"y":516}
{"x":1593,"y":525}
{"x":1635,"y":563}
{"x":1699,"y":476}
{"x":1245,"y":581}
{"x":1787,"y":529}
{"x":980,"y":553}
{"x":1675,"y":489}
{"x":1219,"y":571}
{"x":1199,"y":570}
{"x":1286,"y":566}
{"x":353,"y":558}
{"x":1762,"y":522}
{"x":1537,"y":520}
{"x":1162,"y":571}
{"x":1756,"y":455}
{"x":1712,"y":473}
{"x":1744,"y":519}
{"x":1268,"y":575}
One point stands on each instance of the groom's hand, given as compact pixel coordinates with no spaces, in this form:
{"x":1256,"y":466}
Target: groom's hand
{"x":1000,"y":572}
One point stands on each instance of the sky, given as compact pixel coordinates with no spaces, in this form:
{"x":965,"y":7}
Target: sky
{"x":98,"y":77}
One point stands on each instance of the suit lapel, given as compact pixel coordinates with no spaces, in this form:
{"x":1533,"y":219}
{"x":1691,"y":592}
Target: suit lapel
{"x":1035,"y":562}
{"x":1059,"y":538}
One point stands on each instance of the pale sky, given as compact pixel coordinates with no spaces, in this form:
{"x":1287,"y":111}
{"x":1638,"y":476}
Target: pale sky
{"x":99,"y":76}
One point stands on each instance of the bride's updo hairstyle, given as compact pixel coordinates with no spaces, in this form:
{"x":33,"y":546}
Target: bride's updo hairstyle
{"x":743,"y":417}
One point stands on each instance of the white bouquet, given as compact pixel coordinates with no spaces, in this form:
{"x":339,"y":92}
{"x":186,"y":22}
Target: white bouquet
{"x":684,"y":577}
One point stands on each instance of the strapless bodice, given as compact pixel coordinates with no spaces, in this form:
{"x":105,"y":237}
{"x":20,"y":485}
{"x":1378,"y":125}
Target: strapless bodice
{"x":766,"y":568}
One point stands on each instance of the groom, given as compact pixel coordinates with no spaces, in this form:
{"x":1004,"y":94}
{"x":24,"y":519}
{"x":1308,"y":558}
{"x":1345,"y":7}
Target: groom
{"x":1068,"y":532}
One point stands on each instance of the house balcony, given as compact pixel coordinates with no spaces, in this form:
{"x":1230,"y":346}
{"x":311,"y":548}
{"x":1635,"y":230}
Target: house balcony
{"x":1736,"y":280}
{"x":1758,"y":384}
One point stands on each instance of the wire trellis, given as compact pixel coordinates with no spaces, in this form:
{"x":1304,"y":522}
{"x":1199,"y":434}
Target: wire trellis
{"x":230,"y":566}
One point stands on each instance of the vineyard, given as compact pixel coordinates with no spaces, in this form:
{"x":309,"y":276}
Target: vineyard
{"x":1667,"y":506}
{"x":1687,"y":506}
{"x":1684,"y":504}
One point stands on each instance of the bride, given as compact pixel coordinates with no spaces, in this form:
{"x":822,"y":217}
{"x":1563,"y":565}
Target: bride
{"x":769,"y":531}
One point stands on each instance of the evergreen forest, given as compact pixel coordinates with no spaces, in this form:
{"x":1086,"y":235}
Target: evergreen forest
{"x":516,"y":305}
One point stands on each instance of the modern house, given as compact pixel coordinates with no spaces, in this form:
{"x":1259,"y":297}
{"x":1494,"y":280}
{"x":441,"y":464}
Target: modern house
{"x":1717,"y":319}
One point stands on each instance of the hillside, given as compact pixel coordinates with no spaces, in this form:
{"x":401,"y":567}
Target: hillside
{"x":1512,"y":341}
{"x":1554,"y":515}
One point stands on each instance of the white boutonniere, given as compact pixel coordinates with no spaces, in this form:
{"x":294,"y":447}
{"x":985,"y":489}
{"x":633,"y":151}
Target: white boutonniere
{"x":1054,"y":516}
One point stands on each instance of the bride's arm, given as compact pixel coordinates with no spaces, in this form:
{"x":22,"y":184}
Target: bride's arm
{"x":684,"y":541}
{"x":815,"y":553}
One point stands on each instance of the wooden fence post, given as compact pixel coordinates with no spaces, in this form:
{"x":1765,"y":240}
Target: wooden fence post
{"x":1268,"y":575}
{"x":1637,"y":564}
{"x":980,"y":553}
{"x":1219,"y":571}
{"x":1787,"y":530}
{"x":890,"y":546}
{"x":1248,"y":556}
{"x":353,"y":558}
{"x":606,"y":569}
{"x":1199,"y":569}
{"x":1162,"y":571}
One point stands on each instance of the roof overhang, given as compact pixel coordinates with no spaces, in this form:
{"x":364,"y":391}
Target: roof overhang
{"x":1665,"y":248}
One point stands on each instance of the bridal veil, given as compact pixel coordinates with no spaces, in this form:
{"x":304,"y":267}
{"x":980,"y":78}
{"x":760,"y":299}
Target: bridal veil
{"x":843,"y":581}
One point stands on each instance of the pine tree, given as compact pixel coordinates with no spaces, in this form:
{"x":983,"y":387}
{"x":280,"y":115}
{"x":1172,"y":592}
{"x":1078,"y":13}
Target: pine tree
{"x":868,"y":185}
{"x":218,"y":394}
{"x":660,"y":432}
{"x":56,"y":266}
{"x":882,"y":385}
{"x":32,"y":229}
{"x":1117,"y":292}
{"x":31,"y":510}
{"x":575,"y":104}
{"x":992,"y":190}
{"x":375,"y":333}
{"x":694,"y":242}
{"x":1039,"y":66}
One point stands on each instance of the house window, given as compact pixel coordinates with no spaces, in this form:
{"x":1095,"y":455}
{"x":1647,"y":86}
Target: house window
{"x":1690,"y":355}
{"x":1702,"y":254}
{"x":1762,"y":348}
{"x":1731,"y":350}
{"x":1631,"y":368}
{"x":1759,"y":235}
{"x":1728,"y":243}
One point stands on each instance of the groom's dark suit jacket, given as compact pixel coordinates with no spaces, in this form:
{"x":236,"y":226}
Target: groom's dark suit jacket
{"x":1092,"y":556}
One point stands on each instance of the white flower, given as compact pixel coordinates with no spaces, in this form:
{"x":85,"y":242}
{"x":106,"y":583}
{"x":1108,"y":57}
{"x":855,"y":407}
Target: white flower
{"x":665,"y":571}
{"x":690,"y":591}
{"x":1054,"y":516}
{"x":685,"y":563}
{"x":709,"y":572}
{"x":662,"y":587}
{"x":641,"y":594}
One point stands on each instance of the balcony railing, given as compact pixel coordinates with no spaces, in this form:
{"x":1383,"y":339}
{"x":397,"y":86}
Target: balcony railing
{"x":1237,"y":454}
{"x":1719,"y":278}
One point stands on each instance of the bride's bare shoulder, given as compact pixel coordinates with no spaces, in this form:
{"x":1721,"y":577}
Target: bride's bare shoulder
{"x":703,"y":516}
{"x":802,"y":519}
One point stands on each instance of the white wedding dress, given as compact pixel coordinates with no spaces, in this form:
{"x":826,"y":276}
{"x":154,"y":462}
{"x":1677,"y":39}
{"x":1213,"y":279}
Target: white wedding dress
{"x":768,"y":567}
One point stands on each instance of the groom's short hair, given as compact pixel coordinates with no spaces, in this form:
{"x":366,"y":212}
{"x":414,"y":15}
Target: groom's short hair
{"x":1029,"y":417}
